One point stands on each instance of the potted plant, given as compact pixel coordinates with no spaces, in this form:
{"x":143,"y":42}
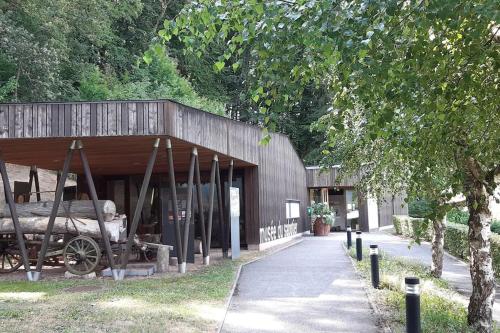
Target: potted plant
{"x":322,"y":219}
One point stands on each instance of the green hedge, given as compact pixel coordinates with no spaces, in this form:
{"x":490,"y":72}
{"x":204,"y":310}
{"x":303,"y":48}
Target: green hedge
{"x":455,"y":238}
{"x":408,"y":226}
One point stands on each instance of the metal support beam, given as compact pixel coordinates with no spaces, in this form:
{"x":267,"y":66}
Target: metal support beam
{"x":220,"y":201}
{"x":55,"y":207}
{"x":173,"y":193}
{"x":95,"y":201}
{"x":189,"y":210}
{"x":211,"y":205}
{"x":15,"y":218}
{"x":228,"y":204}
{"x":139,"y":206}
{"x":200,"y":211}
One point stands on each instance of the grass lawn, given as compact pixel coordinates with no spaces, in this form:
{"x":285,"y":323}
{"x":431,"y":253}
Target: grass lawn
{"x":442,"y":311}
{"x":190,"y":303}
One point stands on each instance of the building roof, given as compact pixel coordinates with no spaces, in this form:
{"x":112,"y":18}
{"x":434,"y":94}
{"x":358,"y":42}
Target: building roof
{"x":118,"y":135}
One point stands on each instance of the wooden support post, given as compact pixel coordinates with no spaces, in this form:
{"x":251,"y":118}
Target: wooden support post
{"x":200,"y":212}
{"x":220,"y":201}
{"x":173,"y":192}
{"x":189,"y":210}
{"x":13,"y":213}
{"x":58,"y":177}
{"x":139,"y":206}
{"x":55,"y":207}
{"x":34,"y":176}
{"x":30,"y":184}
{"x":211,"y":206}
{"x":97,"y":207}
{"x":37,"y":184}
{"x":228,"y":204}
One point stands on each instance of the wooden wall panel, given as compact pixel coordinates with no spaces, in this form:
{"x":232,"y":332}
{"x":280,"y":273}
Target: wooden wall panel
{"x":278,"y":173}
{"x":4,"y":121}
{"x":319,"y":178}
{"x":282,"y":177}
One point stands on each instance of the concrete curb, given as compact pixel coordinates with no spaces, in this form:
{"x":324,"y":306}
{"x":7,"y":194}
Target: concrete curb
{"x":238,"y":273}
{"x":382,"y":325}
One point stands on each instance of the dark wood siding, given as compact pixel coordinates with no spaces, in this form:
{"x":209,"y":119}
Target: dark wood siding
{"x":275,"y":173}
{"x":282,"y":177}
{"x":327,"y":178}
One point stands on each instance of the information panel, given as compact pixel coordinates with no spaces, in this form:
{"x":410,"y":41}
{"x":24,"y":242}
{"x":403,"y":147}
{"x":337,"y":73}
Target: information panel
{"x":234,"y":202}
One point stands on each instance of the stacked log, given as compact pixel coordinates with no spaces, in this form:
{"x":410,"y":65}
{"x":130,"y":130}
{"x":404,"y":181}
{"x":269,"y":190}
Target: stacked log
{"x":75,"y":217}
{"x":75,"y":208}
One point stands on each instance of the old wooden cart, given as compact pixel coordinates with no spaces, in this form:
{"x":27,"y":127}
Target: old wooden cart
{"x":76,"y":241}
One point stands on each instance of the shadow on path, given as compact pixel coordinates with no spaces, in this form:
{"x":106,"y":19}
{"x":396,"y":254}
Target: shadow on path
{"x":309,"y":287}
{"x":455,"y":271}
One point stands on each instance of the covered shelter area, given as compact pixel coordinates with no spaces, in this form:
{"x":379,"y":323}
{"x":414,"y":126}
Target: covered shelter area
{"x":360,"y":211}
{"x":168,"y":170}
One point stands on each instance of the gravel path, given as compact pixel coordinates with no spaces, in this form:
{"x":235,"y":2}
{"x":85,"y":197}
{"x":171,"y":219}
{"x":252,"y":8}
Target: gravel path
{"x":308,"y":287}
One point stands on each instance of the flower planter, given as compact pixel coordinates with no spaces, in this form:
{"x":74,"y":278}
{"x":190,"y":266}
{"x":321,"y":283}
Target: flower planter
{"x":320,"y":228}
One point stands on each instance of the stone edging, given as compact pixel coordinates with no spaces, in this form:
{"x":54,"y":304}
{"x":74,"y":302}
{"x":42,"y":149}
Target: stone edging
{"x":383,"y":326}
{"x":235,"y":283}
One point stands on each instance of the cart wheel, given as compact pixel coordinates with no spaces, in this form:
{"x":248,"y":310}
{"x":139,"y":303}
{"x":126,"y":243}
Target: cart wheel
{"x":10,"y":259}
{"x":81,"y":255}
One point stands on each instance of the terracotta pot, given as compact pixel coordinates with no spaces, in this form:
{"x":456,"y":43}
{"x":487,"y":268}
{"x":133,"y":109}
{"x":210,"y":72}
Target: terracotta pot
{"x":320,"y":228}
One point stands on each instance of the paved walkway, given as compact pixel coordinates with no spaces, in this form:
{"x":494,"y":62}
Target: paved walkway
{"x":455,"y":271}
{"x":308,"y":287}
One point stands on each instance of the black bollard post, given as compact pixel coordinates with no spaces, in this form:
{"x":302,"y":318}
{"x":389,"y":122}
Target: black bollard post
{"x":349,"y":240}
{"x":359,"y":246}
{"x":374,"y":266}
{"x":412,"y":305}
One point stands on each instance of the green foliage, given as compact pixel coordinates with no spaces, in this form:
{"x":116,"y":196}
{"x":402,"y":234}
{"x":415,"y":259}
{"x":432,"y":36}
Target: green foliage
{"x":456,"y":215}
{"x":321,"y":209}
{"x":456,"y":241}
{"x":90,"y":50}
{"x":419,"y":208}
{"x":158,"y":78}
{"x":438,"y":313}
{"x":7,"y":88}
{"x":415,"y":228}
{"x":495,"y":226}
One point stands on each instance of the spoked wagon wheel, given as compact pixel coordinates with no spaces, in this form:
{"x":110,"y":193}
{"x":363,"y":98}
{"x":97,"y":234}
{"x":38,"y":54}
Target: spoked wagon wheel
{"x":81,"y":255}
{"x":10,"y":259}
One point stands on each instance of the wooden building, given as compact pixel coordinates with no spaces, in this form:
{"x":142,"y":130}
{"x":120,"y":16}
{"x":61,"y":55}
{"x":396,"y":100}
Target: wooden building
{"x":117,"y":137}
{"x":363,"y":212}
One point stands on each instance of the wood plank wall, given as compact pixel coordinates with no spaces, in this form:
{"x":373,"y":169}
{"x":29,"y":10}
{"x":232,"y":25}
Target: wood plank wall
{"x":124,"y":118}
{"x":319,"y":178}
{"x":280,"y":174}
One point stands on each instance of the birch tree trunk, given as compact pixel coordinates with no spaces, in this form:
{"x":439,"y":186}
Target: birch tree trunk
{"x":437,"y":248}
{"x":481,"y":269}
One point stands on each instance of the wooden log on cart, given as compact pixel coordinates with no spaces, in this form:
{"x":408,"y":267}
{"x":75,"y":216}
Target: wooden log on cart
{"x":116,"y":228}
{"x":76,"y":208}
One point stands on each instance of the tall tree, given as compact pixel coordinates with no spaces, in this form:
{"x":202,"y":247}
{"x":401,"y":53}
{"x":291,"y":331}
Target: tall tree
{"x":430,"y":66}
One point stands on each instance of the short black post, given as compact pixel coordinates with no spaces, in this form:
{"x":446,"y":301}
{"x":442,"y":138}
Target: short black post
{"x":374,"y":265}
{"x":412,"y":305}
{"x":349,"y":238}
{"x":359,"y":246}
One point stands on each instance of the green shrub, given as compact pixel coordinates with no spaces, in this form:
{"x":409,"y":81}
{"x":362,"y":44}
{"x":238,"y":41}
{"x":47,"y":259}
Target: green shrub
{"x":412,"y":227}
{"x":419,"y":208}
{"x":456,"y":215}
{"x":456,"y":240}
{"x":495,"y":226}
